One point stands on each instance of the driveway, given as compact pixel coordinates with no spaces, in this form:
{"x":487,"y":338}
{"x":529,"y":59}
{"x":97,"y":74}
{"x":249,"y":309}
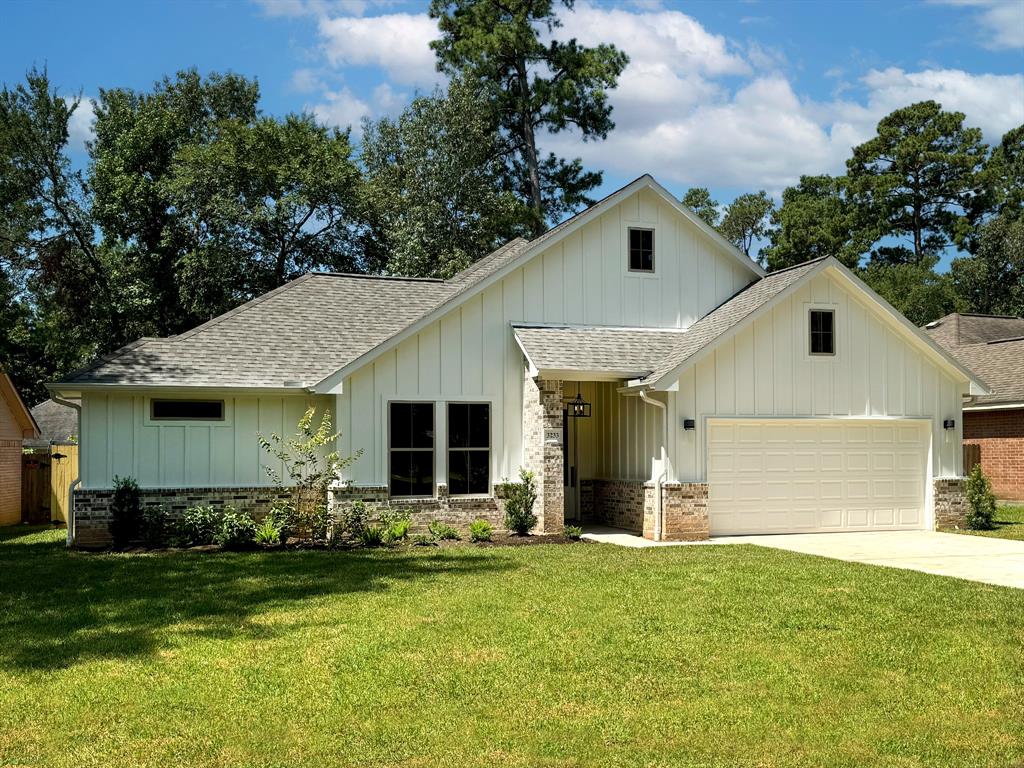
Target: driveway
{"x":992,"y":561}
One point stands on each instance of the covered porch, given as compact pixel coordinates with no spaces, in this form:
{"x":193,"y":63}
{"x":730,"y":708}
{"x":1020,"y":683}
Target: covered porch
{"x":600,"y":453}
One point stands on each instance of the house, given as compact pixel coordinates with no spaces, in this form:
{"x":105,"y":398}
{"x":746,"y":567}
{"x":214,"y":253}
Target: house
{"x":58,"y":425}
{"x":993,"y":347}
{"x":651,"y":375}
{"x":54,"y":456}
{"x":16,"y":424}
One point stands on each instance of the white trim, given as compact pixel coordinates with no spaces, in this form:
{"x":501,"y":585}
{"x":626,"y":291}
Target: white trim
{"x":995,"y":407}
{"x":329,"y":384}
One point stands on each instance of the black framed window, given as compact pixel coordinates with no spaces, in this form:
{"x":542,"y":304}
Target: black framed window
{"x":823,"y":332}
{"x":469,"y":448}
{"x":641,"y":250}
{"x":186,"y":410}
{"x":411,"y":448}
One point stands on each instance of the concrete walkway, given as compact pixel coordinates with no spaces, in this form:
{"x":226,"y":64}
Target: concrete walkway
{"x":975,"y":558}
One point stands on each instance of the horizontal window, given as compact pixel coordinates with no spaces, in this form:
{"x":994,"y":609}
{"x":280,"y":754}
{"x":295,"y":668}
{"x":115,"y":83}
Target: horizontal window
{"x":469,"y":448}
{"x":186,"y":410}
{"x":411,"y":447}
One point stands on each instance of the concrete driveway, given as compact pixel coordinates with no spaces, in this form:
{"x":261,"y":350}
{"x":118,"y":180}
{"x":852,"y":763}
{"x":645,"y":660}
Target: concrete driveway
{"x":976,"y":558}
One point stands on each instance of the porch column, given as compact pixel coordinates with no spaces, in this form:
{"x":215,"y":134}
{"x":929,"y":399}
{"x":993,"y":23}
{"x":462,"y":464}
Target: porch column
{"x":542,"y":449}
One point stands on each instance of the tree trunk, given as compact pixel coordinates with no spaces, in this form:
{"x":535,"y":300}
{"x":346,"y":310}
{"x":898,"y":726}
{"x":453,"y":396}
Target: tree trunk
{"x":530,"y":146}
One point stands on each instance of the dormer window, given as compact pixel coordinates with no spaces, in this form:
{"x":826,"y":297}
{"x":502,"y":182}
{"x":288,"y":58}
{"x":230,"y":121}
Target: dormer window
{"x":823,"y":332}
{"x":641,"y":250}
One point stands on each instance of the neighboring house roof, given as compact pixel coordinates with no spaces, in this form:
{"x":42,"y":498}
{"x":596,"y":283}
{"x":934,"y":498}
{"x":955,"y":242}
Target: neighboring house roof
{"x":57,"y":424}
{"x":990,"y":345}
{"x":606,"y":351}
{"x":20,"y":412}
{"x":706,"y":331}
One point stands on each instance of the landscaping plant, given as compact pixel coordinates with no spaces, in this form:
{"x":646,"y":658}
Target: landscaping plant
{"x":443,"y":531}
{"x":268,"y":532}
{"x":981,"y":500}
{"x":155,"y":526}
{"x":519,"y":500}
{"x":310,"y":467}
{"x":372,"y":536}
{"x":237,"y":529}
{"x":572,"y":532}
{"x":199,"y":525}
{"x":480,"y":530}
{"x":125,"y":511}
{"x":350,"y":520}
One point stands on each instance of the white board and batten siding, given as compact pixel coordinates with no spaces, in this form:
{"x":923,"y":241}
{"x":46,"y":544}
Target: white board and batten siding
{"x":469,"y":354}
{"x":119,"y":439}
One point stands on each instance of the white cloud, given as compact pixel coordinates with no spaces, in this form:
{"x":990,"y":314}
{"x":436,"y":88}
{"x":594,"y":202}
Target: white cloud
{"x":341,"y":108}
{"x":1001,"y":22}
{"x":398,"y":43}
{"x":80,"y":126}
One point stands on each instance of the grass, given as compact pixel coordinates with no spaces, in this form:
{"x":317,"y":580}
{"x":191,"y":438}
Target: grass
{"x":581,"y":655}
{"x":1007,"y":524}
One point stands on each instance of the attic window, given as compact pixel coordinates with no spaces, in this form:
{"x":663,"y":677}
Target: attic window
{"x":641,"y":250}
{"x":186,"y":410}
{"x":823,"y":332}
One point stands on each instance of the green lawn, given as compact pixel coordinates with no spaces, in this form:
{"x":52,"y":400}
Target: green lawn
{"x":533,"y":656}
{"x":1008,"y":523}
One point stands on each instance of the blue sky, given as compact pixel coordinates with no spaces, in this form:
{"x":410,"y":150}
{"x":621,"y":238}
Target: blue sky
{"x":735,"y":96}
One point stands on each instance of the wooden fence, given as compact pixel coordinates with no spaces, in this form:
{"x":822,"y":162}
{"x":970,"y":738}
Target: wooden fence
{"x":972,"y":456}
{"x":46,"y":477}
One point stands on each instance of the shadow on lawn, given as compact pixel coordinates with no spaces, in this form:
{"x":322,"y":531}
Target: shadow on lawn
{"x":58,"y":608}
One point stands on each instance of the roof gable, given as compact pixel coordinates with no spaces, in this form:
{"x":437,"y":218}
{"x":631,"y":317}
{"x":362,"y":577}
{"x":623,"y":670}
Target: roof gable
{"x":18,"y":410}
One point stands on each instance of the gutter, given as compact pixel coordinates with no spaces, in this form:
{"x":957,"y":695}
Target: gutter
{"x":658,"y":512}
{"x":78,"y":480}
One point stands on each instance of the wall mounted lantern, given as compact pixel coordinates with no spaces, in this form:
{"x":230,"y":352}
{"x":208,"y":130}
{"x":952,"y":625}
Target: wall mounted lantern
{"x":949,"y":424}
{"x":689,"y":425}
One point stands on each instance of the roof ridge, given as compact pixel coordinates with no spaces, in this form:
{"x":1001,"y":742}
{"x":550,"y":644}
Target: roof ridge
{"x":794,"y":266}
{"x":363,"y":276}
{"x":1003,"y":341}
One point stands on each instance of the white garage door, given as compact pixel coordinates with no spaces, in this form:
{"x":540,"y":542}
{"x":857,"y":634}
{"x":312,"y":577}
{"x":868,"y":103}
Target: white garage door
{"x":816,"y":475}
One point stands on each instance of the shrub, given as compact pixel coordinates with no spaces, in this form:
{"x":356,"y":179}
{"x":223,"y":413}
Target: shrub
{"x":199,"y":525}
{"x":519,"y":500}
{"x":282,"y":517}
{"x":125,"y":511}
{"x":422,"y":540}
{"x":237,"y":529}
{"x":155,"y":526}
{"x":443,"y":531}
{"x":981,"y":500}
{"x":572,"y":532}
{"x":350,"y":520}
{"x":268,"y":532}
{"x":480,"y":530}
{"x":371,"y":536}
{"x":397,"y":531}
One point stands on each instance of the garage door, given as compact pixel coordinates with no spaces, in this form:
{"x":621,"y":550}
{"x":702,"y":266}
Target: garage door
{"x":815,"y":475}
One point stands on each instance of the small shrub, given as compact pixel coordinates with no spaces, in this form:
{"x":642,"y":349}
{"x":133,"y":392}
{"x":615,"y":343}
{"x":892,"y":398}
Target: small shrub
{"x":397,"y":531}
{"x":519,"y":500}
{"x":422,"y":540}
{"x":350,"y":520}
{"x":981,"y":500}
{"x":125,"y":511}
{"x":371,"y":536}
{"x":268,"y":532}
{"x":443,"y":531}
{"x":155,"y":526}
{"x":237,"y":529}
{"x":199,"y":525}
{"x":573,"y":532}
{"x":480,"y":530}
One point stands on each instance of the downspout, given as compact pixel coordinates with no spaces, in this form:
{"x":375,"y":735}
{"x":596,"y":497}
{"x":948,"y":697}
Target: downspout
{"x":78,"y":480}
{"x":664,"y":463}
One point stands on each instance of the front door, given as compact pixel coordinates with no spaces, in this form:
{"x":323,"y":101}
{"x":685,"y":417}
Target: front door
{"x":570,"y":477}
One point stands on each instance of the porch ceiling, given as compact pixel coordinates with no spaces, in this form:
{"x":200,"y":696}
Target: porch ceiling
{"x":594,"y":352}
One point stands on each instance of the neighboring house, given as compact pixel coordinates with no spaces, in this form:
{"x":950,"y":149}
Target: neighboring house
{"x":993,"y":347}
{"x":720,"y":400}
{"x":16,"y":424}
{"x":58,"y":424}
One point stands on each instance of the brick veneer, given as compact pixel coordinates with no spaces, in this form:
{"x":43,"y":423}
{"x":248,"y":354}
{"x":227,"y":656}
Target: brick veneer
{"x":630,"y":504}
{"x":1000,"y":437}
{"x":950,"y":502}
{"x":456,"y":511}
{"x":542,"y":411}
{"x":92,"y":507}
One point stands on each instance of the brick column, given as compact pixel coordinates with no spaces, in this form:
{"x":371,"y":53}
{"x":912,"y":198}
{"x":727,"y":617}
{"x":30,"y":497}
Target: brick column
{"x":950,"y":498}
{"x":542,"y":414}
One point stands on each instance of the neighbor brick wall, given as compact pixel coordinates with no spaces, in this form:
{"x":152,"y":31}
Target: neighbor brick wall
{"x":456,"y":511}
{"x":1000,"y":437}
{"x":950,"y":502}
{"x":10,"y":480}
{"x":92,"y":507}
{"x":542,"y":411}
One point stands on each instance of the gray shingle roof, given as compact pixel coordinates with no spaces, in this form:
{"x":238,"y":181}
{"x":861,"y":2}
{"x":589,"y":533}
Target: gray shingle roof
{"x":57,"y":423}
{"x":709,"y":328}
{"x":627,"y":352}
{"x":991,"y":346}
